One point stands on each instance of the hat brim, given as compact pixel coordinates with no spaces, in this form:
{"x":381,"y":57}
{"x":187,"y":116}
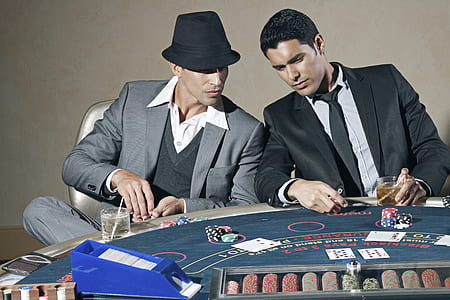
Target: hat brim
{"x":201,"y":63}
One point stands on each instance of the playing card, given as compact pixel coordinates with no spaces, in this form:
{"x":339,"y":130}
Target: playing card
{"x":256,"y":245}
{"x":373,"y":253}
{"x":342,"y":253}
{"x":385,"y":236}
{"x":443,"y":241}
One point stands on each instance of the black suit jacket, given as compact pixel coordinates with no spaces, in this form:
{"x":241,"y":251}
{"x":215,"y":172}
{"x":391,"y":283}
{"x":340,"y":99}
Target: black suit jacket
{"x":399,"y":132}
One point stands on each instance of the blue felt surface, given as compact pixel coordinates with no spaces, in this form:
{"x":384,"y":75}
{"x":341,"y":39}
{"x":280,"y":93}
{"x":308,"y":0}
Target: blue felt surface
{"x":298,"y":230}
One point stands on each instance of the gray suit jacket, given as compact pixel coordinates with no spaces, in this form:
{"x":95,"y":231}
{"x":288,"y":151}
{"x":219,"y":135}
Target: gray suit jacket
{"x":129,"y":137}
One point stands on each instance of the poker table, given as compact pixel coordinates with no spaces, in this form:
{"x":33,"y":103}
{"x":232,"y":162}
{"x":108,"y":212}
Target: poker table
{"x":304,"y":237}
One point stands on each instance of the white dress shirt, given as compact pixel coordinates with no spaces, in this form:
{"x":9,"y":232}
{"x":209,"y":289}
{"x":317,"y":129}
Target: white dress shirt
{"x":184,"y":132}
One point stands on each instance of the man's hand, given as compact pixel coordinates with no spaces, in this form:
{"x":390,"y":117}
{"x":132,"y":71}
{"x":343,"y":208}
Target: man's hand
{"x":136,"y":193}
{"x":167,"y":206}
{"x":316,"y":195}
{"x":411,"y":190}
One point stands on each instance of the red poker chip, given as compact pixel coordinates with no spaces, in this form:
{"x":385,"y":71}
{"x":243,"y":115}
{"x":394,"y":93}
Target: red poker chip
{"x":270,"y":283}
{"x":166,"y":224}
{"x":290,"y":283}
{"x":226,"y":228}
{"x":250,"y":284}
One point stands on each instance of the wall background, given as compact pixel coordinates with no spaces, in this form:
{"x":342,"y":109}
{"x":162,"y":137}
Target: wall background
{"x":57,"y":57}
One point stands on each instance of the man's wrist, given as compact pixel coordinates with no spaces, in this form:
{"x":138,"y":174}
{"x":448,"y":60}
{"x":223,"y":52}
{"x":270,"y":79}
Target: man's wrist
{"x":108,"y":183}
{"x":183,"y":205}
{"x":283,"y":194}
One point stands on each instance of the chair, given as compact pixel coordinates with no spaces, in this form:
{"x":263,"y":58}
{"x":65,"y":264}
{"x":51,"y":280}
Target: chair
{"x":79,"y":200}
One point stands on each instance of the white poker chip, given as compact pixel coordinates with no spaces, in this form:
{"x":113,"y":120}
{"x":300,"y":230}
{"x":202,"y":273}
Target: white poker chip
{"x":401,"y":226}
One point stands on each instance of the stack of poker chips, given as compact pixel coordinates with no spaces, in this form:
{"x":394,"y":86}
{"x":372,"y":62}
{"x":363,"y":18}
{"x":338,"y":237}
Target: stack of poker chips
{"x":388,"y":217}
{"x":403,"y":221}
{"x":217,"y":233}
{"x":181,"y":221}
{"x":167,"y":224}
{"x":370,"y":283}
{"x":446,"y":201}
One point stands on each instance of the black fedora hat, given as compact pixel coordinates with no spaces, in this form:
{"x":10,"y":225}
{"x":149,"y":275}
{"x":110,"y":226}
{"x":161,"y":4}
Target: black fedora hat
{"x":199,"y":43}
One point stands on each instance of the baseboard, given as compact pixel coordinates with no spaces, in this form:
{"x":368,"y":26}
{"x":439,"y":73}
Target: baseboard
{"x":15,"y":241}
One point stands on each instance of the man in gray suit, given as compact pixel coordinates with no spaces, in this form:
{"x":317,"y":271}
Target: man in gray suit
{"x":165,"y":147}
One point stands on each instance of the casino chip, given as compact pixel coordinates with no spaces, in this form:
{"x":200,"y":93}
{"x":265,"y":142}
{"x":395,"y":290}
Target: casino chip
{"x":403,"y":221}
{"x":370,"y":284}
{"x":198,"y":219}
{"x":389,"y":213}
{"x":167,"y":224}
{"x":229,"y":237}
{"x":218,"y":233}
{"x":214,"y":233}
{"x":226,"y":228}
{"x":350,"y":282}
{"x":388,"y":222}
{"x":183,"y":220}
{"x":446,"y":201}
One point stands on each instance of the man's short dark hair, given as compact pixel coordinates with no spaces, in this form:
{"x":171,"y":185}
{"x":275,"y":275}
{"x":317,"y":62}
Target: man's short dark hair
{"x":287,"y":24}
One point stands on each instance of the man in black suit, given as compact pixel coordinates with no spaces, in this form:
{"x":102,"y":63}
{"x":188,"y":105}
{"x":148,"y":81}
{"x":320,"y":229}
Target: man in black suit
{"x":341,"y":128}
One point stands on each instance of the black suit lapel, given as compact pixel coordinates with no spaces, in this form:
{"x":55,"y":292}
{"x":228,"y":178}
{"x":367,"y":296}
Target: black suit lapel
{"x":335,"y":169}
{"x":363,"y":96}
{"x":309,"y":123}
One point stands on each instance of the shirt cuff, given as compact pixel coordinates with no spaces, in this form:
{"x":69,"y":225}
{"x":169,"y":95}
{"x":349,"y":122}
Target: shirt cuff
{"x":108,"y":182}
{"x":185,"y":208}
{"x":426,"y":187}
{"x":282,"y":193}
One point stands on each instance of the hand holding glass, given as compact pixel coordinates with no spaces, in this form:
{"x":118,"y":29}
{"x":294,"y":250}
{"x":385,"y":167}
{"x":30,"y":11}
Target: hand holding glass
{"x":387,"y":189}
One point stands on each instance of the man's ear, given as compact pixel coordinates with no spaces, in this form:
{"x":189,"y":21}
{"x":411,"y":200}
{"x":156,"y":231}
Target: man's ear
{"x":319,"y":44}
{"x":176,"y":69}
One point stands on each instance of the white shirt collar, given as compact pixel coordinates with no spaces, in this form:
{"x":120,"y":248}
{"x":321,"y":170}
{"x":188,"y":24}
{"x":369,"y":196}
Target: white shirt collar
{"x":339,"y":81}
{"x":340,"y":78}
{"x":166,"y":93}
{"x":214,"y":114}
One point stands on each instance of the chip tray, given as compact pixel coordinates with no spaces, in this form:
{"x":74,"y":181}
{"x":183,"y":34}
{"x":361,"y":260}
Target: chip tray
{"x":399,"y":280}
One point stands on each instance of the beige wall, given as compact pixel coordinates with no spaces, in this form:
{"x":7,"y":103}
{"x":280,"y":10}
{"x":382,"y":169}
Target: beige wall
{"x":57,"y":57}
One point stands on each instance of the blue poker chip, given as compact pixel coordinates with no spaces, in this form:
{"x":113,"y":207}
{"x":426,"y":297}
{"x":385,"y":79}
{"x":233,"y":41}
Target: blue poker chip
{"x":183,"y":220}
{"x":388,"y":222}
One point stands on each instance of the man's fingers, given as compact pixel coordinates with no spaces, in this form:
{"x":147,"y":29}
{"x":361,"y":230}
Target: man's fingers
{"x":136,"y":192}
{"x":404,"y":174}
{"x":411,"y":192}
{"x":142,"y":204}
{"x":127,"y":201}
{"x":150,"y":199}
{"x":317,"y":195}
{"x":135,"y":204}
{"x":407,"y":190}
{"x":338,"y":199}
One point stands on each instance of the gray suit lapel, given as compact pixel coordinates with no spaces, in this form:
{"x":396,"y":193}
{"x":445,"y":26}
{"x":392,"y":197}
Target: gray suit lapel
{"x":362,"y":93}
{"x":209,"y":145}
{"x":156,"y":121}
